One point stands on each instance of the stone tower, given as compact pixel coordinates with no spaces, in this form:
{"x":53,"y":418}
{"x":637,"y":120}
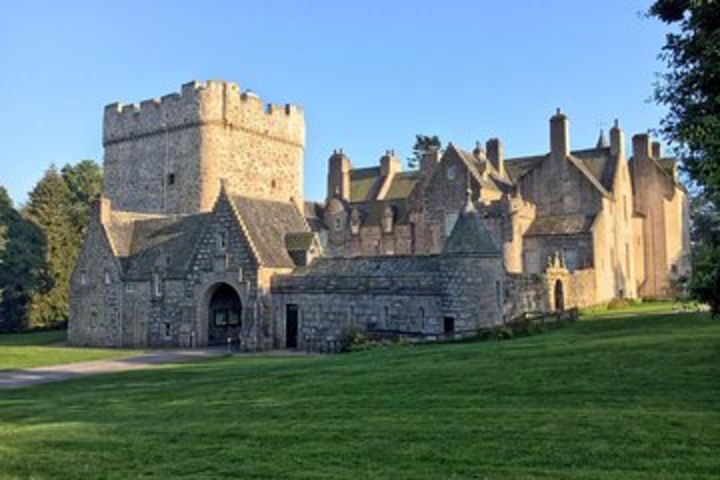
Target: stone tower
{"x":168,"y":155}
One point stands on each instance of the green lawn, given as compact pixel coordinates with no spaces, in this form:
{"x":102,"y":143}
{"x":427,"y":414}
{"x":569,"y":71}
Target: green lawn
{"x":624,"y":398}
{"x":25,"y":350}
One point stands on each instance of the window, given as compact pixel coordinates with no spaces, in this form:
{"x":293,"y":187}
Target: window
{"x":168,"y":331}
{"x":108,"y":280}
{"x":498,"y":295}
{"x":449,"y":325}
{"x":674,"y":269}
{"x":83,"y":278}
{"x":240,"y":274}
{"x":273,"y":184}
{"x":221,"y":318}
{"x":171,"y":179}
{"x":338,"y":224}
{"x":451,"y":172}
{"x":222,"y":241}
{"x":386,"y":317}
{"x":129,"y":287}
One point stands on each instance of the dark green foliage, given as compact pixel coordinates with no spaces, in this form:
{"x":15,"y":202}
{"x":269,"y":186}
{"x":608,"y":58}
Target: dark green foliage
{"x":691,"y":91}
{"x":633,"y":397}
{"x":691,"y":87}
{"x":84,"y":181}
{"x":22,"y":265}
{"x":51,"y":208}
{"x":423,"y":144}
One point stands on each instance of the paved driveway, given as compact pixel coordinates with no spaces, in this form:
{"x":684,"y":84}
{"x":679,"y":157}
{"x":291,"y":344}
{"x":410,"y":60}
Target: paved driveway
{"x":55,"y":373}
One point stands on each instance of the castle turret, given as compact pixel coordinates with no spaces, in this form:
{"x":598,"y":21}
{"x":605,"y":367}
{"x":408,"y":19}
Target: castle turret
{"x":473,"y":273}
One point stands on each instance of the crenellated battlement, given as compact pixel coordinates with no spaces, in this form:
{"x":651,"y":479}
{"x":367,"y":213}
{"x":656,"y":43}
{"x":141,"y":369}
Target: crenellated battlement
{"x":212,"y":102}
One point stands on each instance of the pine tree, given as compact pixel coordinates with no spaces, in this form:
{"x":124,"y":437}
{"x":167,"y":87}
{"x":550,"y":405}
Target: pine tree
{"x":51,"y":208}
{"x":22,"y":252}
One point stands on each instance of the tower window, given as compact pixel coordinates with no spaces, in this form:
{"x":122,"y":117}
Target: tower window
{"x":171,"y":179}
{"x":273,"y":183}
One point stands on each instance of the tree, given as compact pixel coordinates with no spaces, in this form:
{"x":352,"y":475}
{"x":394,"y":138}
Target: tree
{"x":51,"y":208}
{"x":691,"y":91}
{"x":423,"y":144}
{"x":22,"y":251}
{"x":84,"y":181}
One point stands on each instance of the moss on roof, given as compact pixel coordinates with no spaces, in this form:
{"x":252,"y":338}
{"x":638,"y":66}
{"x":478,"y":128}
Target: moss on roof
{"x":363,"y":182}
{"x":571,"y":224}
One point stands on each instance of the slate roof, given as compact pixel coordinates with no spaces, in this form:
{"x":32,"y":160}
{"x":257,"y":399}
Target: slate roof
{"x":371,"y":213}
{"x":600,"y":163}
{"x":267,"y":223}
{"x":571,"y":224}
{"x":313,"y":212}
{"x":403,"y":184}
{"x":470,"y":236}
{"x":168,"y":242}
{"x":364,"y":182}
{"x":299,"y":241}
{"x":380,"y":266}
{"x":517,"y":167}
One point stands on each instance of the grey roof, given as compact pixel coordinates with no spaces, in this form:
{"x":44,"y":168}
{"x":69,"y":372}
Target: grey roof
{"x":371,"y":213}
{"x":313,"y":212}
{"x":601,"y":164}
{"x":380,"y":266}
{"x":516,"y":168}
{"x":267,"y":223}
{"x":167,"y":242}
{"x":571,"y":224}
{"x":470,"y":236}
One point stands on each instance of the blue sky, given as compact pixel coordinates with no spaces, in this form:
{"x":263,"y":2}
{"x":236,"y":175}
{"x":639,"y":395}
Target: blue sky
{"x":369,"y":75}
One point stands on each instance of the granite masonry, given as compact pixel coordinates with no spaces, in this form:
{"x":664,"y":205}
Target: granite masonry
{"x":202,"y":235}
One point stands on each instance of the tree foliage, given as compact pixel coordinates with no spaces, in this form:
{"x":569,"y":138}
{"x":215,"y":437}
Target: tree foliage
{"x":691,"y":91}
{"x":423,"y":144}
{"x":22,"y":264}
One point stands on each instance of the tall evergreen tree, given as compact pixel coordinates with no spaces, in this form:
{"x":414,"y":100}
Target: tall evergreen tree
{"x":22,"y":264}
{"x":84,"y":180}
{"x":51,"y":208}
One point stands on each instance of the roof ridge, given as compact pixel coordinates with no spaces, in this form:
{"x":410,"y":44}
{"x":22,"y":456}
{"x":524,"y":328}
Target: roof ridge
{"x":243,"y":227}
{"x":578,"y":163}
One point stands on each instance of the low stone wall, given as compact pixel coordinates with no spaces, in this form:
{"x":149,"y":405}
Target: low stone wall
{"x":525,"y":293}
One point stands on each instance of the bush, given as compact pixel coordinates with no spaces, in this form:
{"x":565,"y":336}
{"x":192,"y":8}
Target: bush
{"x":618,"y":303}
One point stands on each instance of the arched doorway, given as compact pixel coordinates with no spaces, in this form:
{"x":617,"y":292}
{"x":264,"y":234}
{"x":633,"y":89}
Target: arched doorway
{"x":225,"y":312}
{"x":559,"y":296}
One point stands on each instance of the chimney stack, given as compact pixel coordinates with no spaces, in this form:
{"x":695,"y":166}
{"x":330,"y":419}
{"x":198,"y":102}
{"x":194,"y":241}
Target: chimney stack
{"x":339,"y":166}
{"x":495,"y":154}
{"x":389,"y":164}
{"x":617,"y":140}
{"x":429,"y":161}
{"x":656,"y":150}
{"x":641,"y":147}
{"x":559,"y":136}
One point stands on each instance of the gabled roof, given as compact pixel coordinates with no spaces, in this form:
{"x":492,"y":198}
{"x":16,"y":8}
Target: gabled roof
{"x":467,"y":158}
{"x":600,"y":163}
{"x":570,"y":224}
{"x":267,"y":223}
{"x":470,"y":236}
{"x":167,"y":242}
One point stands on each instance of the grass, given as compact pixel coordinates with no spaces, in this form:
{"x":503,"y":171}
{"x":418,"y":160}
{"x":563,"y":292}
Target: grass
{"x":37,"y":349}
{"x":621,"y":398}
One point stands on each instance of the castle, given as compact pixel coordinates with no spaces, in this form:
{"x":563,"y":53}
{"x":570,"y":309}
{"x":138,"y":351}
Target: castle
{"x":202,"y":233}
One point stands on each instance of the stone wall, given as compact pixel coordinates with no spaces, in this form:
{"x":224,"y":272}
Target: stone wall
{"x":96,"y":307}
{"x":169,"y":155}
{"x":330,"y":306}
